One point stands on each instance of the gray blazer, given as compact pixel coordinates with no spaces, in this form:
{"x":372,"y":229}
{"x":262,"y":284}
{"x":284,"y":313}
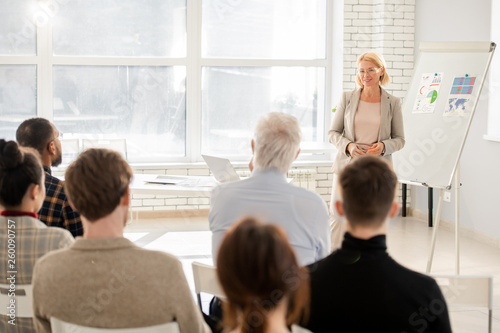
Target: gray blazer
{"x":391,"y":131}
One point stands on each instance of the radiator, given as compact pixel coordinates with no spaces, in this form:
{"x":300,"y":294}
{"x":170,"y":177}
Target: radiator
{"x":305,"y":178}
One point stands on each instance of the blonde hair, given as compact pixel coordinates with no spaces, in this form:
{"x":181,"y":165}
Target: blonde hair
{"x":379,"y":61}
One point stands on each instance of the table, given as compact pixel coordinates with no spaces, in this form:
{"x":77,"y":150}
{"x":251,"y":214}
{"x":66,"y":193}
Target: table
{"x":192,"y":186}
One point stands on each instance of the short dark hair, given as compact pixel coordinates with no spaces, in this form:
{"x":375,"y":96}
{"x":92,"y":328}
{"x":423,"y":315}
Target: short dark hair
{"x":35,"y":133}
{"x":19,"y":168}
{"x":368,"y":186}
{"x":96,"y":181}
{"x":258,"y":269}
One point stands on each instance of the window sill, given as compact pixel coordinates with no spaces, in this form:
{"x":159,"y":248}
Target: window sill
{"x":59,"y":171}
{"x":491,"y":138}
{"x":327,"y":149}
{"x":203,"y":165}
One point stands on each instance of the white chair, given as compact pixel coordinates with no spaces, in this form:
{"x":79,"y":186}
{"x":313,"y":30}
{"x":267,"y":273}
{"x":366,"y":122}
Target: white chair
{"x":205,"y":280}
{"x":70,"y":150}
{"x":59,"y":326}
{"x":119,"y":145}
{"x":299,"y":329}
{"x":467,"y":291}
{"x":23,"y":292}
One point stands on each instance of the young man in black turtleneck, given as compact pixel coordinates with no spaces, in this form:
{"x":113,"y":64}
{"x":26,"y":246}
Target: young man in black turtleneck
{"x":360,"y":288}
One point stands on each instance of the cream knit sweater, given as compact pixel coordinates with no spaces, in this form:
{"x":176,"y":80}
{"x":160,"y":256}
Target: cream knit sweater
{"x":112,"y":283}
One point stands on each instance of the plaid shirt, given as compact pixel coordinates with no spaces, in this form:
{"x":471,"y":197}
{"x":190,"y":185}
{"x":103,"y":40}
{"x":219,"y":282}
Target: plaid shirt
{"x":56,"y":211}
{"x":33,"y":239}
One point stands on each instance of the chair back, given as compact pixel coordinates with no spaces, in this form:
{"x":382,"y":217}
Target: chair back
{"x":205,"y":280}
{"x":467,"y":291}
{"x":471,"y":291}
{"x":60,"y":326}
{"x":70,"y":150}
{"x":119,"y":145}
{"x":299,"y":329}
{"x":23,"y":295}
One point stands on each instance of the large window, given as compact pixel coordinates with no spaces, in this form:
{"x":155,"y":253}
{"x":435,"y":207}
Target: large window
{"x":18,"y":69}
{"x":171,"y":78}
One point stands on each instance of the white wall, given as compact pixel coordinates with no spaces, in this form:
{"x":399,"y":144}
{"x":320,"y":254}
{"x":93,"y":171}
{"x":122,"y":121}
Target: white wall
{"x":465,"y":20}
{"x":493,"y":114}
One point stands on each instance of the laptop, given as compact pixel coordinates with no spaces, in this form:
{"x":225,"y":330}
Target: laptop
{"x":221,"y":168}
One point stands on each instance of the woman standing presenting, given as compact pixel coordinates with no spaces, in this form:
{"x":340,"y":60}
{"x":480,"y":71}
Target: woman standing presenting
{"x":368,"y":121}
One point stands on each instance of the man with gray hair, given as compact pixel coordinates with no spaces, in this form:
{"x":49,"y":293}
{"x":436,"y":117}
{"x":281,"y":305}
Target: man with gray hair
{"x":268,"y":196}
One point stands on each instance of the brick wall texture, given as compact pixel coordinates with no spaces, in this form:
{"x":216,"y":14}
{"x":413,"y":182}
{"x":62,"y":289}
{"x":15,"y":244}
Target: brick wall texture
{"x":141,"y":202}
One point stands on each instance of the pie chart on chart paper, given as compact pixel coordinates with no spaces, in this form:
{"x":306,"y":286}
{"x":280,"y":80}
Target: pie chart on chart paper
{"x":431,"y":96}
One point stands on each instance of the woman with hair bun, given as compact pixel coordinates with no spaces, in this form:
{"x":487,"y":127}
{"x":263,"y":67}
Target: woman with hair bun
{"x":23,"y":238}
{"x":266,"y":290}
{"x":367,"y":121}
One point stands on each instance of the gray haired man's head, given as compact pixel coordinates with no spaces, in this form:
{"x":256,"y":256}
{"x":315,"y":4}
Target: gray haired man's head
{"x":276,"y":141}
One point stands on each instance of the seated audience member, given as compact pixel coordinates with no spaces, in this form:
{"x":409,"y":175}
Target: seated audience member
{"x":40,"y":134}
{"x":268,"y":196}
{"x":21,"y":196}
{"x":360,"y":288}
{"x":265,"y":288}
{"x":104,"y":280}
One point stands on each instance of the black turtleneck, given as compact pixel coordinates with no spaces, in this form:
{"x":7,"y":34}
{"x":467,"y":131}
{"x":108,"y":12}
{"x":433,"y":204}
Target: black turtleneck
{"x":360,"y":288}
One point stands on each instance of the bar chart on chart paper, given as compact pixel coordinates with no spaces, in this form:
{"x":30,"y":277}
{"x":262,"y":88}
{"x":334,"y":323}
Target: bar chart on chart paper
{"x":460,"y":98}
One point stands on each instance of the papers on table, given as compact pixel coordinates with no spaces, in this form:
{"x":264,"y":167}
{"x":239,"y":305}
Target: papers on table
{"x":183,"y":181}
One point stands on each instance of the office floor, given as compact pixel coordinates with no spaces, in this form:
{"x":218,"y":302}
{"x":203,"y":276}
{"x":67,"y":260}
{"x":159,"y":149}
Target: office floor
{"x":409,"y":241}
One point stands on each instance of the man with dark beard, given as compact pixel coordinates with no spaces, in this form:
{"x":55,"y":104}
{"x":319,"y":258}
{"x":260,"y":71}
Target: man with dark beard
{"x":42,"y":135}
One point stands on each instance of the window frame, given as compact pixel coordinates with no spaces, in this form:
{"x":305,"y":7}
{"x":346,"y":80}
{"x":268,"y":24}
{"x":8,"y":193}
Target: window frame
{"x":45,"y":60}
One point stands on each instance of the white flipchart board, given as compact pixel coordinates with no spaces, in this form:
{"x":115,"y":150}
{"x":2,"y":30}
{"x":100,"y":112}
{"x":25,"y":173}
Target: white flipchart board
{"x":434,"y":141}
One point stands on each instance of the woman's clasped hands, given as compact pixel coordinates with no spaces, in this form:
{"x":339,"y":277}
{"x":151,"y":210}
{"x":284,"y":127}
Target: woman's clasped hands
{"x":356,"y":151}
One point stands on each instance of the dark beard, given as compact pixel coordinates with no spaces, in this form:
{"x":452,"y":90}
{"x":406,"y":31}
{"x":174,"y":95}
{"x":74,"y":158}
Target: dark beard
{"x":57,"y":161}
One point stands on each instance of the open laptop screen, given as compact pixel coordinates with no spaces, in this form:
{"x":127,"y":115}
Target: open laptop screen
{"x":221,"y":168}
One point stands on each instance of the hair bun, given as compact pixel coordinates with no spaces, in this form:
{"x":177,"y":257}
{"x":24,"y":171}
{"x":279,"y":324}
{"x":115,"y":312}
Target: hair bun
{"x":10,"y":154}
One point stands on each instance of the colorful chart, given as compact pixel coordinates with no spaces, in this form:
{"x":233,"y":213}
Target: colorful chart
{"x":459,"y":100}
{"x":427,"y":93}
{"x":466,"y":81}
{"x":431,"y":97}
